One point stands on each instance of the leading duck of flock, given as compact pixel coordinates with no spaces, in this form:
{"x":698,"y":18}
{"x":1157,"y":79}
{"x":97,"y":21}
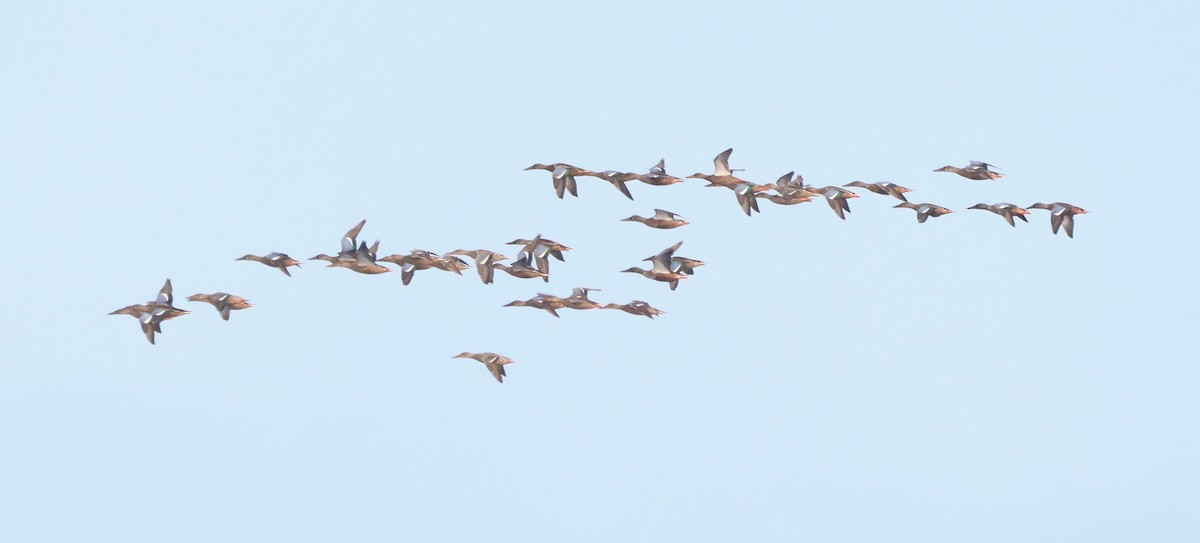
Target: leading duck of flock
{"x":532,"y":261}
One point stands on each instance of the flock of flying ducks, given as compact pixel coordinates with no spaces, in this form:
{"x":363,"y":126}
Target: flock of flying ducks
{"x":790,"y":189}
{"x":533,"y":259}
{"x":532,"y":262}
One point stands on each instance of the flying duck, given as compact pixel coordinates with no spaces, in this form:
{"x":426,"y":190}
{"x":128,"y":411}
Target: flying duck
{"x":883,"y":187}
{"x":722,"y":176}
{"x":222,"y":301}
{"x":494,"y":362}
{"x":924,"y":211}
{"x":274,"y":260}
{"x":1006,"y":210}
{"x":658,"y":175}
{"x":636,"y":307}
{"x":563,"y":176}
{"x":662,"y":269}
{"x":484,"y":261}
{"x":978,"y":171}
{"x":662,"y":219}
{"x":1061,"y":214}
{"x":151,"y":314}
{"x":837,"y":198}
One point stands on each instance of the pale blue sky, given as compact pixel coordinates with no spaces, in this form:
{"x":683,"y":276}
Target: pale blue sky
{"x":819,"y":380}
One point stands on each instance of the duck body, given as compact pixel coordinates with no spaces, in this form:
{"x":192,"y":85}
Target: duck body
{"x":150,"y":315}
{"x":789,"y":199}
{"x":522,"y":269}
{"x":281,"y":261}
{"x":1061,"y":214}
{"x":662,"y":267}
{"x":495,"y":363}
{"x":658,"y":175}
{"x":1006,"y":210}
{"x":546,"y":246}
{"x":546,"y":302}
{"x":563,"y":176}
{"x":451,"y":264}
{"x":662,"y":220}
{"x":883,"y":188}
{"x":353,"y":255}
{"x":416,"y":260}
{"x":224,"y":302}
{"x":484,"y":262}
{"x":579,"y":300}
{"x":636,"y":307}
{"x":924,"y":210}
{"x":669,"y":277}
{"x":976,"y":171}
{"x":837,"y":198}
{"x":722,"y":175}
{"x":370,"y":268}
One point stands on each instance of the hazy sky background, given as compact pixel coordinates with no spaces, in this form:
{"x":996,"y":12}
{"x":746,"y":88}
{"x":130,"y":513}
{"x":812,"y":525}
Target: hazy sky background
{"x":819,"y":380}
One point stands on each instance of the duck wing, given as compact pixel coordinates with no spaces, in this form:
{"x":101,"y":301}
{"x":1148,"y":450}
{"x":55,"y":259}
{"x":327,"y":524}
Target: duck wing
{"x":350,"y":240}
{"x":721,"y":163}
